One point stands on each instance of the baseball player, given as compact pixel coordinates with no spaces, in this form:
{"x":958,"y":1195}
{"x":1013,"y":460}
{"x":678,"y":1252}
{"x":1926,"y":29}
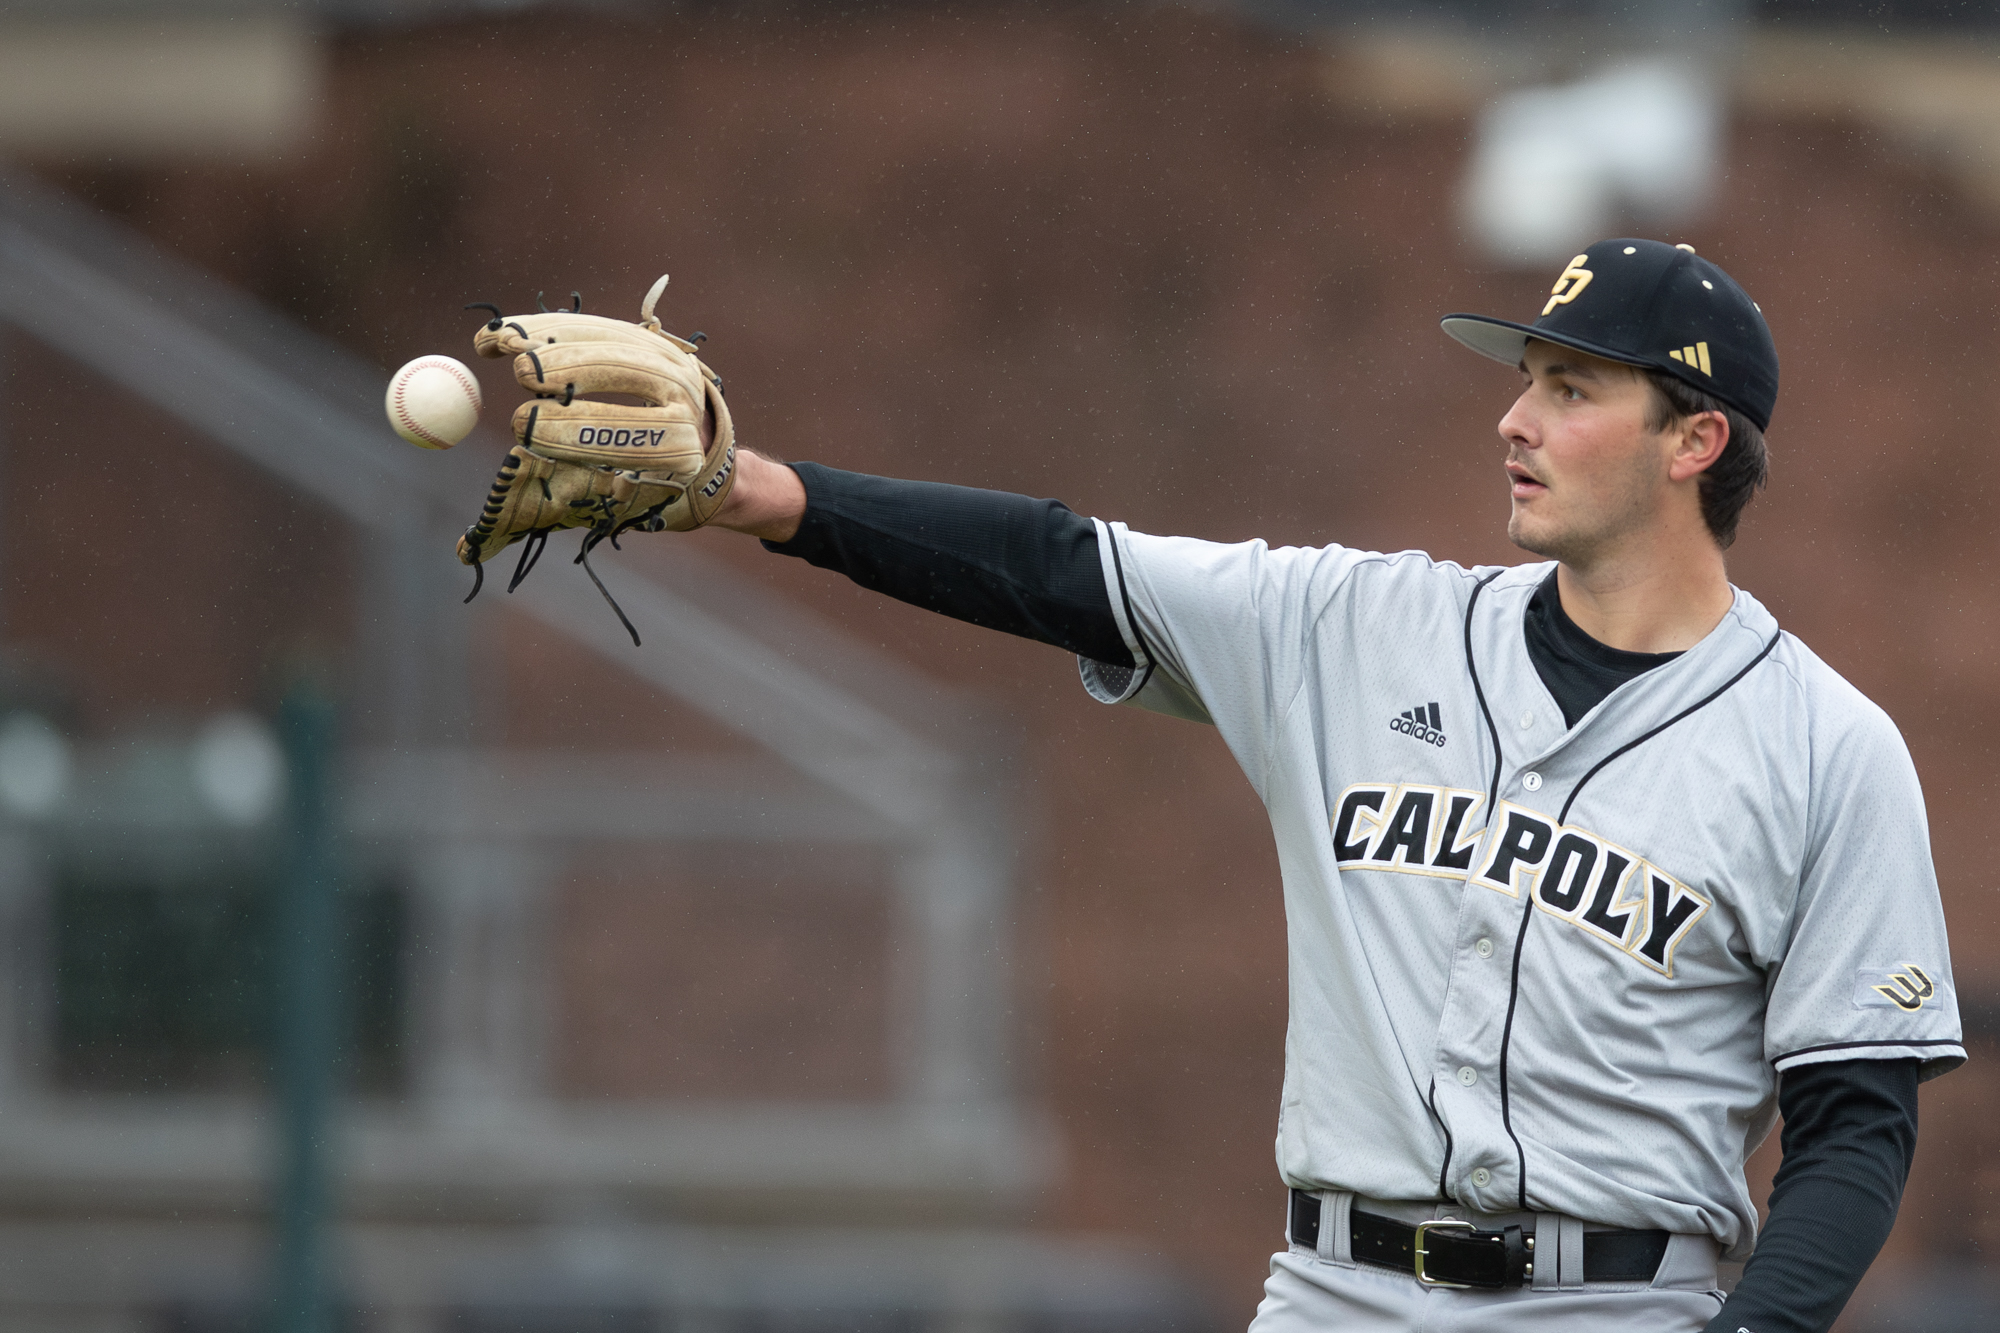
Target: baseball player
{"x":1590,"y":869}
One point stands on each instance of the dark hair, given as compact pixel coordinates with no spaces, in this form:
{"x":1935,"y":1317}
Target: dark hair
{"x":1732,"y":479}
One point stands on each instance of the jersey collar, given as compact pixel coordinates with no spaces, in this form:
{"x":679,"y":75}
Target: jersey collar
{"x":1514,"y":689}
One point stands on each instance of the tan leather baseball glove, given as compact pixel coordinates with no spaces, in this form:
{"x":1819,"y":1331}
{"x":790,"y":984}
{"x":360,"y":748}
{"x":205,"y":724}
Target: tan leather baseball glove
{"x":663,"y":463}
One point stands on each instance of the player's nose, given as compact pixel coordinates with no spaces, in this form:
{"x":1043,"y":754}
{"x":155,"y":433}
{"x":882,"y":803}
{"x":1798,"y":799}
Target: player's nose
{"x":1517,"y":428}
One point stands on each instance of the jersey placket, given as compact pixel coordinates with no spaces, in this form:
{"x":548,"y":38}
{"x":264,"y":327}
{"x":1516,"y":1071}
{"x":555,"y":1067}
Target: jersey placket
{"x":1470,"y":1089}
{"x":1482,"y":1160}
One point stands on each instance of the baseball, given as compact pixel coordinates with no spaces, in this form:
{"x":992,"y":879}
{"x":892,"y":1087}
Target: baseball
{"x":433,"y":402}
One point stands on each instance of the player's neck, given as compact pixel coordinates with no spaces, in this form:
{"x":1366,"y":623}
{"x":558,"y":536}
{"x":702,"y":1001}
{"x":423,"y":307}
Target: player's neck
{"x":1661,"y":596}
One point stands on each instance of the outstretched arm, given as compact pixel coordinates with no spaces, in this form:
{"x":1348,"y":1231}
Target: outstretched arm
{"x":1003,"y":561}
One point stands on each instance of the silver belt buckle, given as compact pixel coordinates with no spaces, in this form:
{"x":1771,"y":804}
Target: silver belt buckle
{"x":1423,"y":1232}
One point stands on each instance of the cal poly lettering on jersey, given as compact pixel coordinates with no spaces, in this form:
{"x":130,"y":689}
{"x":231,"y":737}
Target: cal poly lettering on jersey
{"x":1408,"y":827}
{"x":1612,"y":894}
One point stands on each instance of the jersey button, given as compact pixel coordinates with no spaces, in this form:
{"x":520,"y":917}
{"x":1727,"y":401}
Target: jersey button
{"x":1481,"y":1177}
{"x":1484,"y":948}
{"x":1468,"y":1075}
{"x":1532,"y":781}
{"x":1527,"y":720}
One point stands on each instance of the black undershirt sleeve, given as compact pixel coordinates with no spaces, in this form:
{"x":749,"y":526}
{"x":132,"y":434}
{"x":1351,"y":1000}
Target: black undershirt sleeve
{"x":1850,"y":1134}
{"x":1003,"y":561}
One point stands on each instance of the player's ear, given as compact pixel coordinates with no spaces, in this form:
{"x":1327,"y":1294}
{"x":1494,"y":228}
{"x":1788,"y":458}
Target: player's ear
{"x":1701,"y":440}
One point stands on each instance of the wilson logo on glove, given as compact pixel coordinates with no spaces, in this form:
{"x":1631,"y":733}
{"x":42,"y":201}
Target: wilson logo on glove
{"x":720,"y":480}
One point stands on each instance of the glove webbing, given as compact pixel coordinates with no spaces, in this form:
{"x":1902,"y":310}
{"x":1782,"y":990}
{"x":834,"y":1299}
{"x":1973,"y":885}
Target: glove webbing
{"x":536,"y":539}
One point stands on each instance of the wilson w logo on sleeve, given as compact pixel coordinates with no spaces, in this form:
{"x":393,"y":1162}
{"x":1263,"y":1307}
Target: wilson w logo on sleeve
{"x":1905,"y":986}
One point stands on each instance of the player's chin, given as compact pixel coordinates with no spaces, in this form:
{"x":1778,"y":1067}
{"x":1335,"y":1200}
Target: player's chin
{"x":1529,"y":535}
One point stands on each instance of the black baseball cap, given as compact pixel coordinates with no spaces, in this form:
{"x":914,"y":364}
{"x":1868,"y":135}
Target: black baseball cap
{"x":1647,"y":303}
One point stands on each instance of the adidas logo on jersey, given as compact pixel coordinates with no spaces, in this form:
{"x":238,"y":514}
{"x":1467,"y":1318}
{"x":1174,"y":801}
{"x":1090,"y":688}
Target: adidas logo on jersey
{"x":1423,"y":722}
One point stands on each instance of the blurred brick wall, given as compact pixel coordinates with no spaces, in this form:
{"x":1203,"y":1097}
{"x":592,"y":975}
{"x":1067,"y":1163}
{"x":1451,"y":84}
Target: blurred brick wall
{"x":1141,"y":261}
{"x":152,"y":580}
{"x":710,"y":977}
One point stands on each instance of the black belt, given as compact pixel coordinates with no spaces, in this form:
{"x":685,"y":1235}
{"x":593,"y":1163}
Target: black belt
{"x":1454,"y":1254}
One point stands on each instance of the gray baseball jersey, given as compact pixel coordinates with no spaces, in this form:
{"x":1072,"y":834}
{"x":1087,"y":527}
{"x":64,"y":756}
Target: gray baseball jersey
{"x":1535,"y":966}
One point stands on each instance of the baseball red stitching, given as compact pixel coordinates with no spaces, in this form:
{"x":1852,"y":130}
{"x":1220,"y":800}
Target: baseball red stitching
{"x":465,"y":382}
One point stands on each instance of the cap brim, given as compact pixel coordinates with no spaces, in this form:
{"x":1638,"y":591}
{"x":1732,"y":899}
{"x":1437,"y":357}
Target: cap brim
{"x":1506,"y":341}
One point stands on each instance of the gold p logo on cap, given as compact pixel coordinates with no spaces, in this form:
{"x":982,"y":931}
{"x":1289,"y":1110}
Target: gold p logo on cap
{"x":1570,"y":285}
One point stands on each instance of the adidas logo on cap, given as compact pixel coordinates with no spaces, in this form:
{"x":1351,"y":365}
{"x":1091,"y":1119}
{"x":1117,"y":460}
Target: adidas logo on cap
{"x":1423,"y":722}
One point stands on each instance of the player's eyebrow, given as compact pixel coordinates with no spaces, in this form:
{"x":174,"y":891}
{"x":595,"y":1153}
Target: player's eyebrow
{"x":1580,"y":371}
